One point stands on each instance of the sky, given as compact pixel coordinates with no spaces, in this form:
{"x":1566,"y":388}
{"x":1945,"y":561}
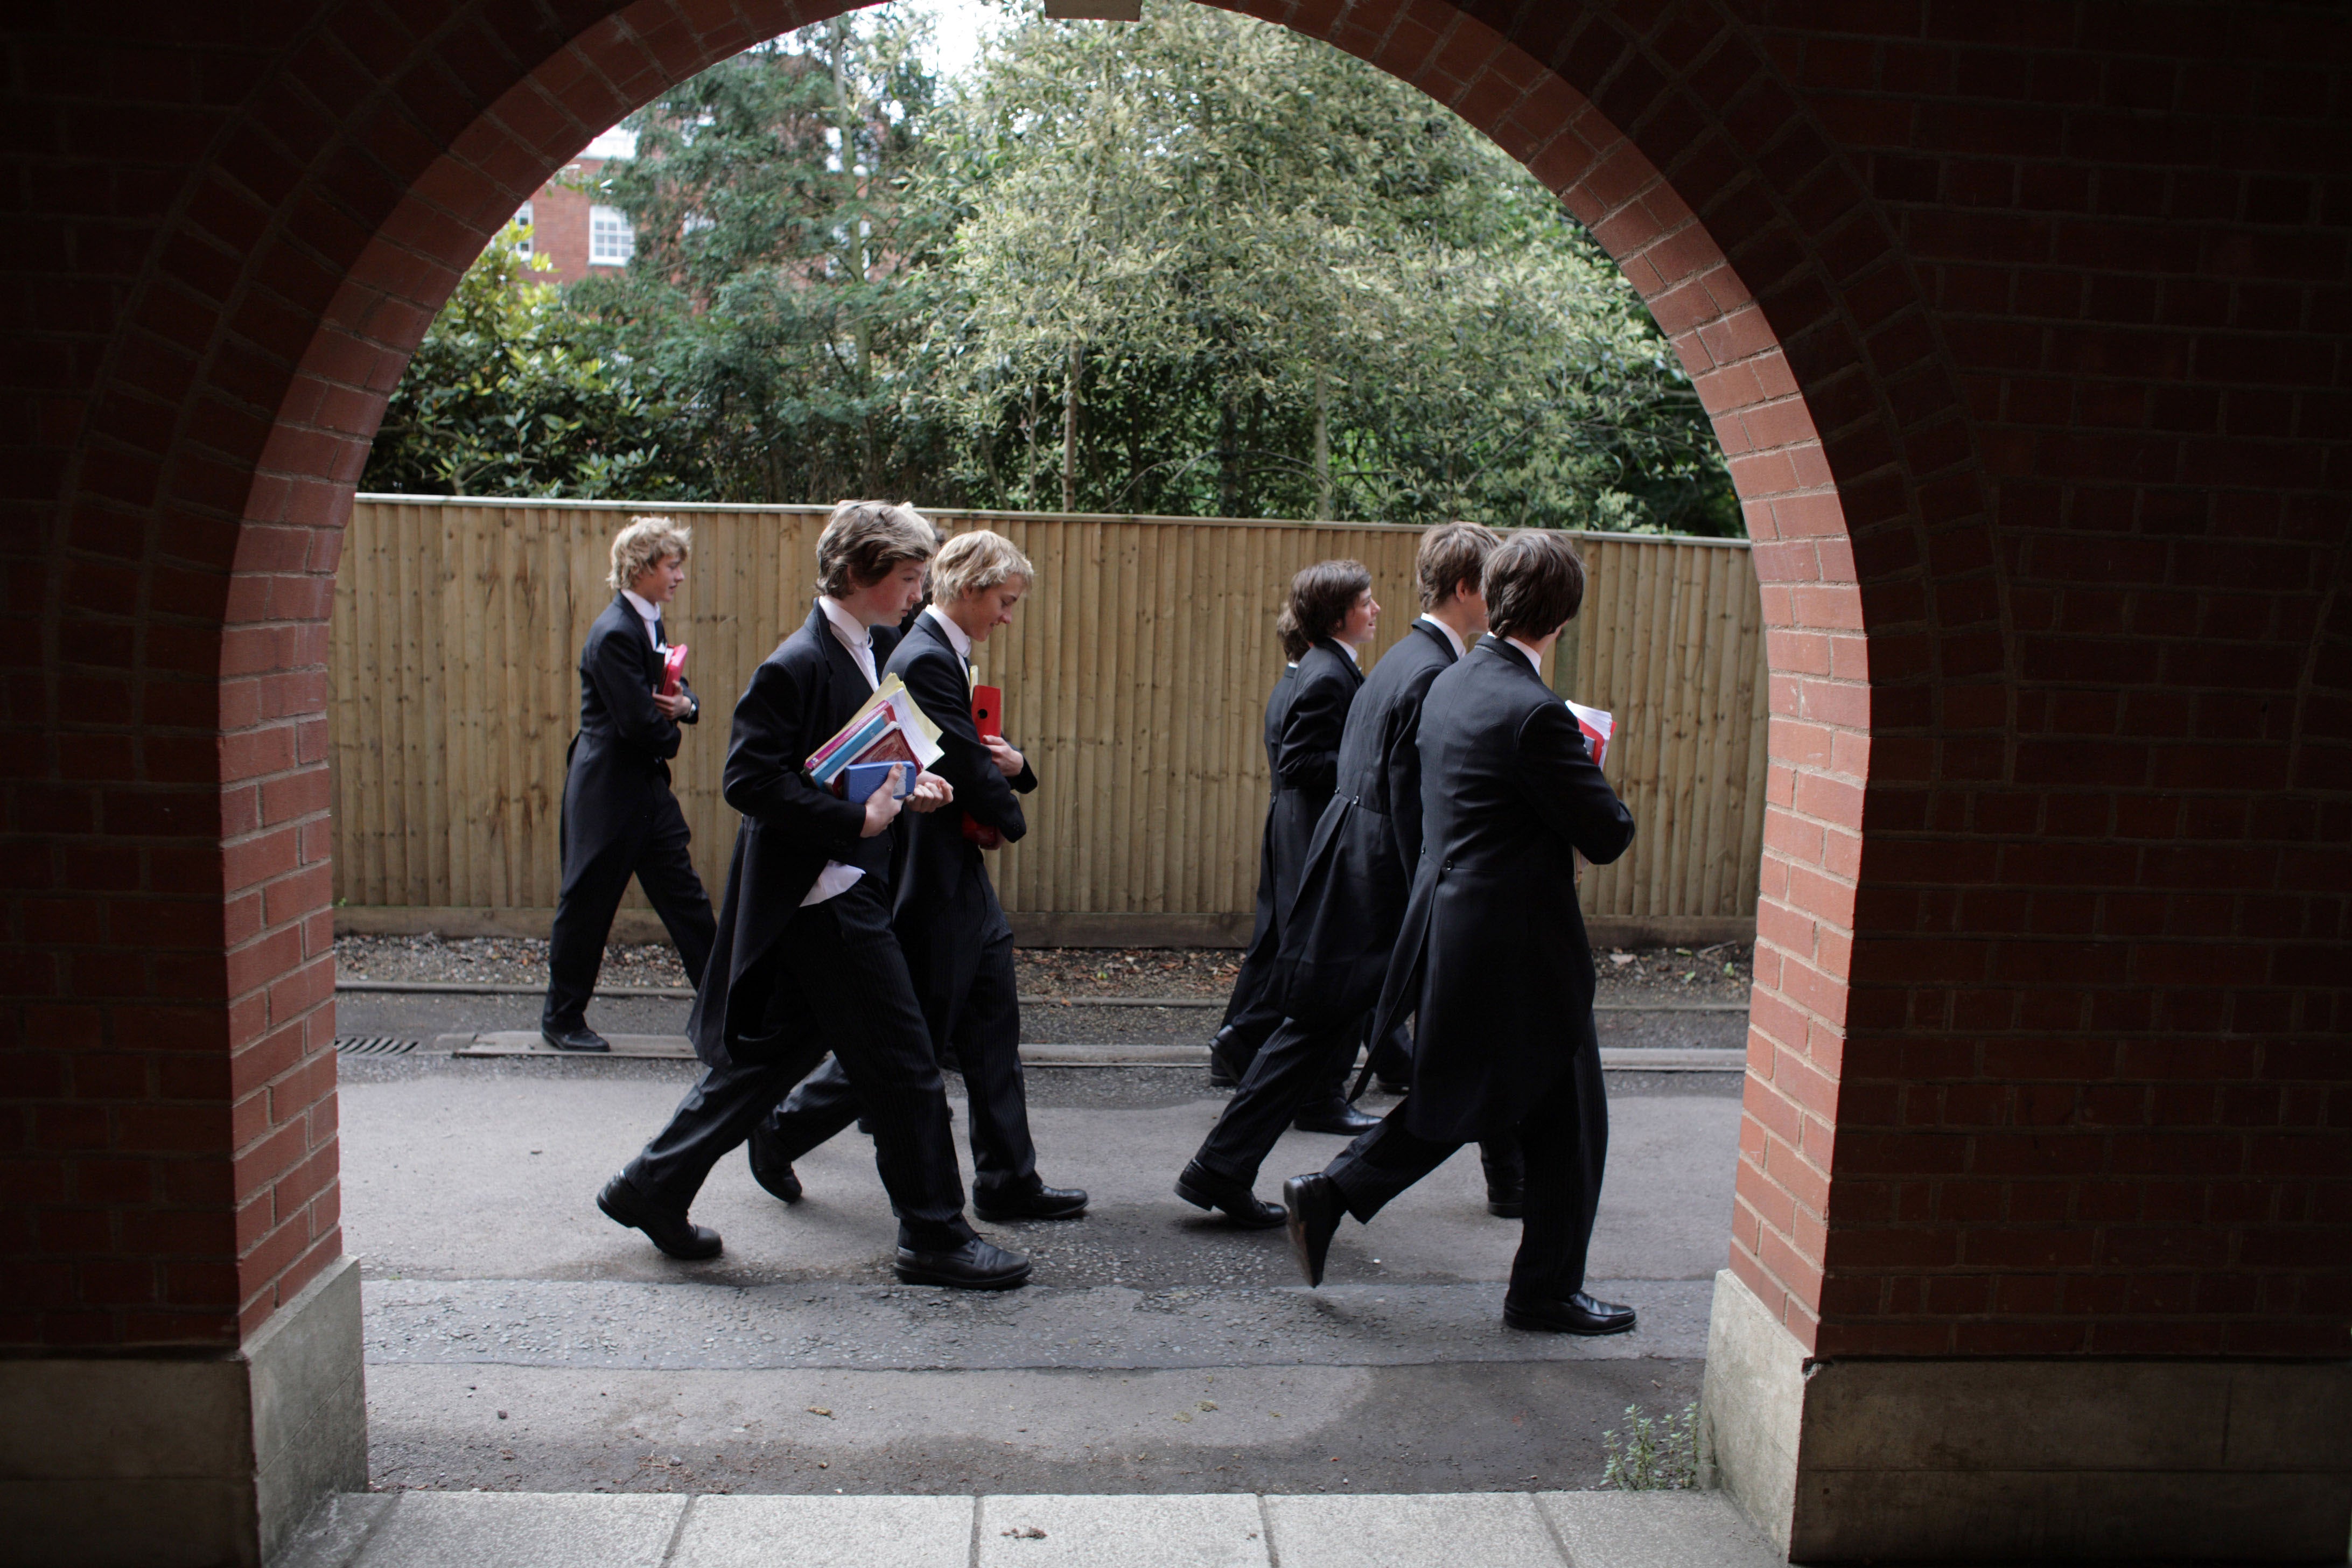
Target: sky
{"x":957,"y":29}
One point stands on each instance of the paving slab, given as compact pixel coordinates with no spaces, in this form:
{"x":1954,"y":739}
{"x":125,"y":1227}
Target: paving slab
{"x":335,"y":1530}
{"x":825,"y":1533}
{"x":523,"y":1530}
{"x":1656,"y":1529}
{"x":1131,"y":1531}
{"x":1491,"y":1529}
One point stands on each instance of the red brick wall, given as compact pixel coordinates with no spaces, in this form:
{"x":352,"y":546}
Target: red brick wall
{"x":2024,"y":324}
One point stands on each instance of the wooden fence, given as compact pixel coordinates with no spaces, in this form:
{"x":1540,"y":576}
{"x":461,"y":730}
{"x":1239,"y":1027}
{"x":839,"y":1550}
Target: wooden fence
{"x":1135,"y":677}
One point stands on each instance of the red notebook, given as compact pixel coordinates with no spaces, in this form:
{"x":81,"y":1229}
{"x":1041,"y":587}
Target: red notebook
{"x":988,"y":718}
{"x":673,"y":668}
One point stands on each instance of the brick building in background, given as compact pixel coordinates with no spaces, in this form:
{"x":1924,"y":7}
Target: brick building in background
{"x":570,"y":227}
{"x":2027,"y":325}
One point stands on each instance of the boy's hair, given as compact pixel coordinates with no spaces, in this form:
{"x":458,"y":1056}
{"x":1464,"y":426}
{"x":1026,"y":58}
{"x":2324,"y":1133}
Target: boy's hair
{"x":970,"y":563}
{"x":863,"y":540}
{"x":1321,"y":598}
{"x":645,"y":541}
{"x":1450,"y":553}
{"x":1535,"y":585}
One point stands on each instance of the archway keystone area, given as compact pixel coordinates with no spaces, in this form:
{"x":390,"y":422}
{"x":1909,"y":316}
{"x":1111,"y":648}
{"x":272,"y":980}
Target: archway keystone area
{"x":2025,"y":327}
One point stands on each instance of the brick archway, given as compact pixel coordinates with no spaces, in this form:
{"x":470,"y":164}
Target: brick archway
{"x":1971,"y":1059}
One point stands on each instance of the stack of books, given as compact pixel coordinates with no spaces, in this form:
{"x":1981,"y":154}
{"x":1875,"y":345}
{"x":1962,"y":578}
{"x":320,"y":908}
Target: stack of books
{"x":888,"y":728}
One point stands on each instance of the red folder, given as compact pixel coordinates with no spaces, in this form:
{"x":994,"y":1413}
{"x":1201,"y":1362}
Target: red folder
{"x":673,"y":668}
{"x":988,"y":718}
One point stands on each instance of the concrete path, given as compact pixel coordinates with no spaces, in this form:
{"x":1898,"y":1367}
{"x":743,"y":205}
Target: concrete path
{"x":518,"y":1341}
{"x":1540,"y":1529}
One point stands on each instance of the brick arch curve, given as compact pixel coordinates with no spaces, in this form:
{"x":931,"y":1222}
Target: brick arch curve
{"x":374,"y":165}
{"x":1762,"y":366}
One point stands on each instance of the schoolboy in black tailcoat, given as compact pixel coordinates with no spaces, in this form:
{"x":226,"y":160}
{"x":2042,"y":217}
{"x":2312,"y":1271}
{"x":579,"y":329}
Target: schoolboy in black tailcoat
{"x":1493,"y":954}
{"x":1331,"y":613}
{"x":620,"y":819}
{"x":806,"y":961}
{"x":958,"y":943}
{"x":1338,"y":932}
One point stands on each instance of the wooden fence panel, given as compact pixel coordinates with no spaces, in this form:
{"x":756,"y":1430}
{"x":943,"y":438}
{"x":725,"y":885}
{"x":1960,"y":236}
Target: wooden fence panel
{"x":1135,"y":677}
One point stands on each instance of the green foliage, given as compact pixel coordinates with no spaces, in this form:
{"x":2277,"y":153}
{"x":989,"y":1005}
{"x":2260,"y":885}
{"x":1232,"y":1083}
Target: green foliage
{"x":1654,"y":1454}
{"x":1205,"y":265}
{"x":779,"y":278}
{"x":504,"y":399}
{"x":1194,"y":266}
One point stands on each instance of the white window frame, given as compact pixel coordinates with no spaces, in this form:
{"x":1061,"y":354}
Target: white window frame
{"x":522,"y":215}
{"x":611,"y":239}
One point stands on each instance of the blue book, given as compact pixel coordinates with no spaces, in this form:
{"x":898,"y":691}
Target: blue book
{"x":862,"y":779}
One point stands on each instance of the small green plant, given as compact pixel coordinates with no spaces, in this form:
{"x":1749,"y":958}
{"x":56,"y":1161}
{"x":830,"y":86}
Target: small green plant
{"x":1654,"y":1454}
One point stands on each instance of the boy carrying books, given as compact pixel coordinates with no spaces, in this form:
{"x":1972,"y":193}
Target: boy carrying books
{"x":805,"y":959}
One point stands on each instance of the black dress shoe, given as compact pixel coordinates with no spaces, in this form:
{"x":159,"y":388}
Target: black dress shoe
{"x":1507,"y":1203}
{"x":673,"y":1233}
{"x":1313,"y":1206}
{"x":1225,"y":1071}
{"x":1395,"y":1086}
{"x":1577,"y":1314}
{"x":1040,"y":1202}
{"x":1205,"y":1189}
{"x":578,"y":1037}
{"x":772,"y":1170}
{"x":975,"y":1266}
{"x":1335,"y":1115}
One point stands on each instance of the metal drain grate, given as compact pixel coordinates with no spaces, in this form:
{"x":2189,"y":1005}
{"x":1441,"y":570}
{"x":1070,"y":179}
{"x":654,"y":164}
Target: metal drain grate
{"x":373,"y":1046}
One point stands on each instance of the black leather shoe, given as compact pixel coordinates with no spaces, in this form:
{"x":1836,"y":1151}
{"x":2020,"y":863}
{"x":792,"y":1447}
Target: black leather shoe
{"x":1225,"y":1071}
{"x":673,"y":1233}
{"x":1577,"y":1314}
{"x":1040,"y":1202}
{"x":975,"y":1266}
{"x":1313,"y":1206}
{"x":579,"y":1038}
{"x":1335,"y":1116}
{"x":772,"y":1170}
{"x":1205,"y":1189}
{"x":1507,"y":1203}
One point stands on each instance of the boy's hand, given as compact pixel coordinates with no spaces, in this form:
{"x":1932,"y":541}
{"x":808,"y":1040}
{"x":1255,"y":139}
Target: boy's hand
{"x":881,"y":810}
{"x":1008,"y":761}
{"x":932,"y":791}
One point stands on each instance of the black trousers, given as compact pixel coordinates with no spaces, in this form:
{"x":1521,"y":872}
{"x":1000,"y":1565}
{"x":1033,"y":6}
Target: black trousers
{"x":654,"y":851}
{"x":969,"y":1004}
{"x":1296,"y":1066}
{"x":1253,"y":1012}
{"x":838,"y":982}
{"x":1564,"y":1142}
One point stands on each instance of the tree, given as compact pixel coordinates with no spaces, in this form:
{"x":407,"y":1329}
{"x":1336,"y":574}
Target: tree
{"x":504,"y":399}
{"x":780,"y":273}
{"x":1202,"y":264}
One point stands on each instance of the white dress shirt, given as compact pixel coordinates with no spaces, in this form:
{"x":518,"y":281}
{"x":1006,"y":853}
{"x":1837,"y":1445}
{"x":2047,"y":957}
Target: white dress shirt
{"x":1535,"y":659}
{"x":858,"y":639}
{"x":647,"y":612}
{"x":958,"y":638}
{"x":1460,"y":647}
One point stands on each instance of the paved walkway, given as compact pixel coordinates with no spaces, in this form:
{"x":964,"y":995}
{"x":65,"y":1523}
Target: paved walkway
{"x":1479,"y":1529}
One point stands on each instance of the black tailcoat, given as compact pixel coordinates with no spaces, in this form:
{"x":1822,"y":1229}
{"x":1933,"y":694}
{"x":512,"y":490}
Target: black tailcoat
{"x":944,"y":902}
{"x":1350,"y":899}
{"x":1306,"y":756}
{"x":797,"y":697}
{"x":1493,"y":954}
{"x":1248,"y":1005}
{"x":619,"y":761}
